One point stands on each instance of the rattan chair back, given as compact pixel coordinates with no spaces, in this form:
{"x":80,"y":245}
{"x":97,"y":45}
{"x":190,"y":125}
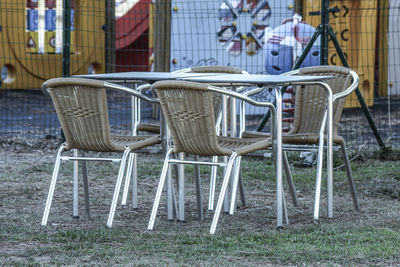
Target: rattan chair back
{"x":311,"y":100}
{"x":81,"y":106}
{"x":189,"y":112}
{"x":217,"y":98}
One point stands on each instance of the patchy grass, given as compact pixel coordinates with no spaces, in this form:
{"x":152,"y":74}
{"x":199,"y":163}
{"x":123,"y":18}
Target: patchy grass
{"x":370,"y":237}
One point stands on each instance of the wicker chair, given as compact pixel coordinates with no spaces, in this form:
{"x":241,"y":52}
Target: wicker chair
{"x":189,"y":112}
{"x":155,"y":128}
{"x":217,"y":103}
{"x":309,"y":122}
{"x":81,"y":106}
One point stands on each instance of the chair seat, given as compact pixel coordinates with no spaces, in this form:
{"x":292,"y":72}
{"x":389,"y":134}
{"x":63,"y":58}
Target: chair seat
{"x":295,"y":139}
{"x":243,"y":145}
{"x":134,"y":142}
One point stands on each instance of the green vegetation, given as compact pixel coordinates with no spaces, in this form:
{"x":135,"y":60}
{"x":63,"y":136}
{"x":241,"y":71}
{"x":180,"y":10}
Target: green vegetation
{"x":249,"y":237}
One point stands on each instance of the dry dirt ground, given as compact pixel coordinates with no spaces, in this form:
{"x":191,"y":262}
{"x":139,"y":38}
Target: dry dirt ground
{"x":25,"y":176}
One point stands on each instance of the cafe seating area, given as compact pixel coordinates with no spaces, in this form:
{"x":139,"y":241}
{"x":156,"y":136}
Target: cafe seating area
{"x":198,"y":121}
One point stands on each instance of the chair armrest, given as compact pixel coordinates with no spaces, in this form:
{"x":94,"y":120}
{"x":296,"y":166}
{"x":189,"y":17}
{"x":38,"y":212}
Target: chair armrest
{"x":350,"y":89}
{"x":241,"y":97}
{"x":131,"y":91}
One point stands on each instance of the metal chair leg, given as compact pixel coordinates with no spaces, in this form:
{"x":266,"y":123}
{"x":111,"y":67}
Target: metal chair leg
{"x":226,"y":200}
{"x":285,"y":213}
{"x":181,"y":189}
{"x":172,"y":204}
{"x":117,"y":188}
{"x":75,"y":186}
{"x":352,"y":186}
{"x":52,"y":185}
{"x":235,"y":185}
{"x":127,"y":179}
{"x":200,"y":215}
{"x":222,"y":192}
{"x":289,"y":179}
{"x":86,"y":188}
{"x":212,"y":184}
{"x":318,"y":177}
{"x":134,"y":183}
{"x":241,"y":190}
{"x":159,"y":190}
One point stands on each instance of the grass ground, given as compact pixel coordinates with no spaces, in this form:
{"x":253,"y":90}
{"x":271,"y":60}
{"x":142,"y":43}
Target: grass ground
{"x":370,"y":237}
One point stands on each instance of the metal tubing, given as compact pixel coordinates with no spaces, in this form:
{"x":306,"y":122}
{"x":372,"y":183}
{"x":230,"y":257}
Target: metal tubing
{"x":134,"y":183}
{"x":181,"y":189}
{"x":226,"y":201}
{"x":222,"y":194}
{"x":67,"y":158}
{"x":284,"y":211}
{"x":159,"y":190}
{"x":279,"y":190}
{"x":241,"y":189}
{"x":75,"y":187}
{"x":233,"y":116}
{"x":117,"y":187}
{"x":200,"y":215}
{"x":319,"y":173}
{"x":330,"y":151}
{"x":176,"y":161}
{"x":352,"y":186}
{"x":212,"y":184}
{"x":289,"y":179}
{"x":172,"y":205}
{"x":86,"y":188}
{"x":225,"y":133}
{"x":127,"y":179}
{"x":52,"y":186}
{"x":235,"y":182}
{"x":171,"y":201}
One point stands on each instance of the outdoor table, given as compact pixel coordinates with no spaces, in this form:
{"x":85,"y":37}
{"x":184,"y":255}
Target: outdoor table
{"x":140,"y":76}
{"x":251,"y":79}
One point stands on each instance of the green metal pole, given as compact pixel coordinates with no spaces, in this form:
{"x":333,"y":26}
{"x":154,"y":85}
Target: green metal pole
{"x":325,"y":30}
{"x":357,"y":91}
{"x":324,"y":34}
{"x":66,"y":48}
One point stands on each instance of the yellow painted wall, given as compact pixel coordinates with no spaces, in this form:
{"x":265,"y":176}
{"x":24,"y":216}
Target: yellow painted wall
{"x":32,"y":69}
{"x":355,"y":29}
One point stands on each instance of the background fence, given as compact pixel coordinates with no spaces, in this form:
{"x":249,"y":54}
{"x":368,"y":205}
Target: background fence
{"x":257,"y":35}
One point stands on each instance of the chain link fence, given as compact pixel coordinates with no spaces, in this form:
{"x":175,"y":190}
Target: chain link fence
{"x":256,"y":35}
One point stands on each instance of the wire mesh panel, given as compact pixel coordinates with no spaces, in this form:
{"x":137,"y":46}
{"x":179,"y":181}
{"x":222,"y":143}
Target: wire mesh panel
{"x":259,"y":36}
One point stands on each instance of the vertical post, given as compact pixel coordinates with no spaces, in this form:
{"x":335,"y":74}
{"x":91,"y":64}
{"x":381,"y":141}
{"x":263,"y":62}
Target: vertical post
{"x":110,"y":36}
{"x":66,"y":48}
{"x":324,"y":35}
{"x":162,"y":37}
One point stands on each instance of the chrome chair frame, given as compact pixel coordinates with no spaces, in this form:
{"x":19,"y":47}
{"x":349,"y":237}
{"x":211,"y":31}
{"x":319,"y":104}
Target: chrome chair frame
{"x":76,"y":158}
{"x":232,"y":163}
{"x":331,"y":98}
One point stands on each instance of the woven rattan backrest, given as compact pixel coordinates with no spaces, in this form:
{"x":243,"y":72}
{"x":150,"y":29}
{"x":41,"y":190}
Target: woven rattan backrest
{"x":81,"y":106}
{"x":189,"y":113}
{"x":310,"y":103}
{"x":217,"y":98}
